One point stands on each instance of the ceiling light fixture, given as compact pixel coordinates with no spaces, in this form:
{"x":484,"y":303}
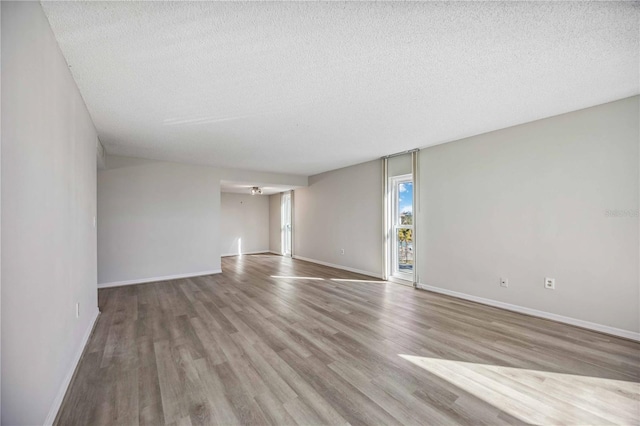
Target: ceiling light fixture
{"x":256,"y":191}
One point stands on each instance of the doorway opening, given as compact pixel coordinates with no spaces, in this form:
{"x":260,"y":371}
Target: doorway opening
{"x":286,"y":225}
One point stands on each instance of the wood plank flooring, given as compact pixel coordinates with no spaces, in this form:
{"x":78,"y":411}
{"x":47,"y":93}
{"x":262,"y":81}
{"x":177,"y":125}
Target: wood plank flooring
{"x":280,"y":341}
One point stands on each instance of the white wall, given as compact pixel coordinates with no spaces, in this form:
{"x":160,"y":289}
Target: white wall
{"x":399,"y":165}
{"x":530,"y":202}
{"x":161,"y":219}
{"x":156,"y":219}
{"x":244,"y":224}
{"x":341,"y":209}
{"x":275,"y":223}
{"x":525,"y":203}
{"x":48,"y":205}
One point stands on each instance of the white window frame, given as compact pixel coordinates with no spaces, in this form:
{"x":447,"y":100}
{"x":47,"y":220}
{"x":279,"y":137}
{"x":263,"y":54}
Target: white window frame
{"x":395,"y":225}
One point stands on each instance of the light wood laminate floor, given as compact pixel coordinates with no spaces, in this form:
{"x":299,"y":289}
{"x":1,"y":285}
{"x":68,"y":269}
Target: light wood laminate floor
{"x":280,"y":341}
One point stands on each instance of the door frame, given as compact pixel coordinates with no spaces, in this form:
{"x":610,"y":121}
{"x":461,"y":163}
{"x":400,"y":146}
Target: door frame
{"x":286,"y":224}
{"x":394,"y":273}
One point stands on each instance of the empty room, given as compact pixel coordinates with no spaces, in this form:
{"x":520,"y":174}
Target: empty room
{"x":320,"y":213}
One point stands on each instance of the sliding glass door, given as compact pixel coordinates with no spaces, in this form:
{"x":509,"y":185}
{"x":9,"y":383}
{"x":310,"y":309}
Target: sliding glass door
{"x":402,"y":256}
{"x":400,"y":209}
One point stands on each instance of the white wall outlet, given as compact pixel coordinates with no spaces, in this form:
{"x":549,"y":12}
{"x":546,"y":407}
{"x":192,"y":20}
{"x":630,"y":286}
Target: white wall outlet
{"x":550,"y":283}
{"x":504,"y":282}
{"x":341,"y":251}
{"x":77,"y":310}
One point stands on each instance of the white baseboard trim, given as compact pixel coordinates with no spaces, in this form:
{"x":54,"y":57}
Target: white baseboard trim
{"x":333,"y":265}
{"x":244,"y":252}
{"x":154,"y":279}
{"x":536,"y":313}
{"x":57,"y":402}
{"x":275,"y":252}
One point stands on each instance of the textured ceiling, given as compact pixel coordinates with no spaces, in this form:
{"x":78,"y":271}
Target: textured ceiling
{"x":307,"y":87}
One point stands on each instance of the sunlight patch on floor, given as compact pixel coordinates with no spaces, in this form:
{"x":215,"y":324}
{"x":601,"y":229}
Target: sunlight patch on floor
{"x":541,"y":397}
{"x":338,"y":280}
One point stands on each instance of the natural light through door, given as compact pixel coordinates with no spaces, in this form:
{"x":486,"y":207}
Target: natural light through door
{"x":402,"y":221}
{"x":286,"y":224}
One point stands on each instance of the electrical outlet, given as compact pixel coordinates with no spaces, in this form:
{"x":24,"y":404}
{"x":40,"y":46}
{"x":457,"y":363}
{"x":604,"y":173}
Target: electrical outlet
{"x":77,"y":310}
{"x":504,"y":282}
{"x":341,"y":251}
{"x":550,"y":283}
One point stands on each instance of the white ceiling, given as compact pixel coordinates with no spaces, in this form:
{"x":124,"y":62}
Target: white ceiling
{"x":305,"y":87}
{"x":245,"y":188}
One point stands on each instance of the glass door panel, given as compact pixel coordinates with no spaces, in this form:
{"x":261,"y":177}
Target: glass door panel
{"x":402,"y":222}
{"x":404,"y":244}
